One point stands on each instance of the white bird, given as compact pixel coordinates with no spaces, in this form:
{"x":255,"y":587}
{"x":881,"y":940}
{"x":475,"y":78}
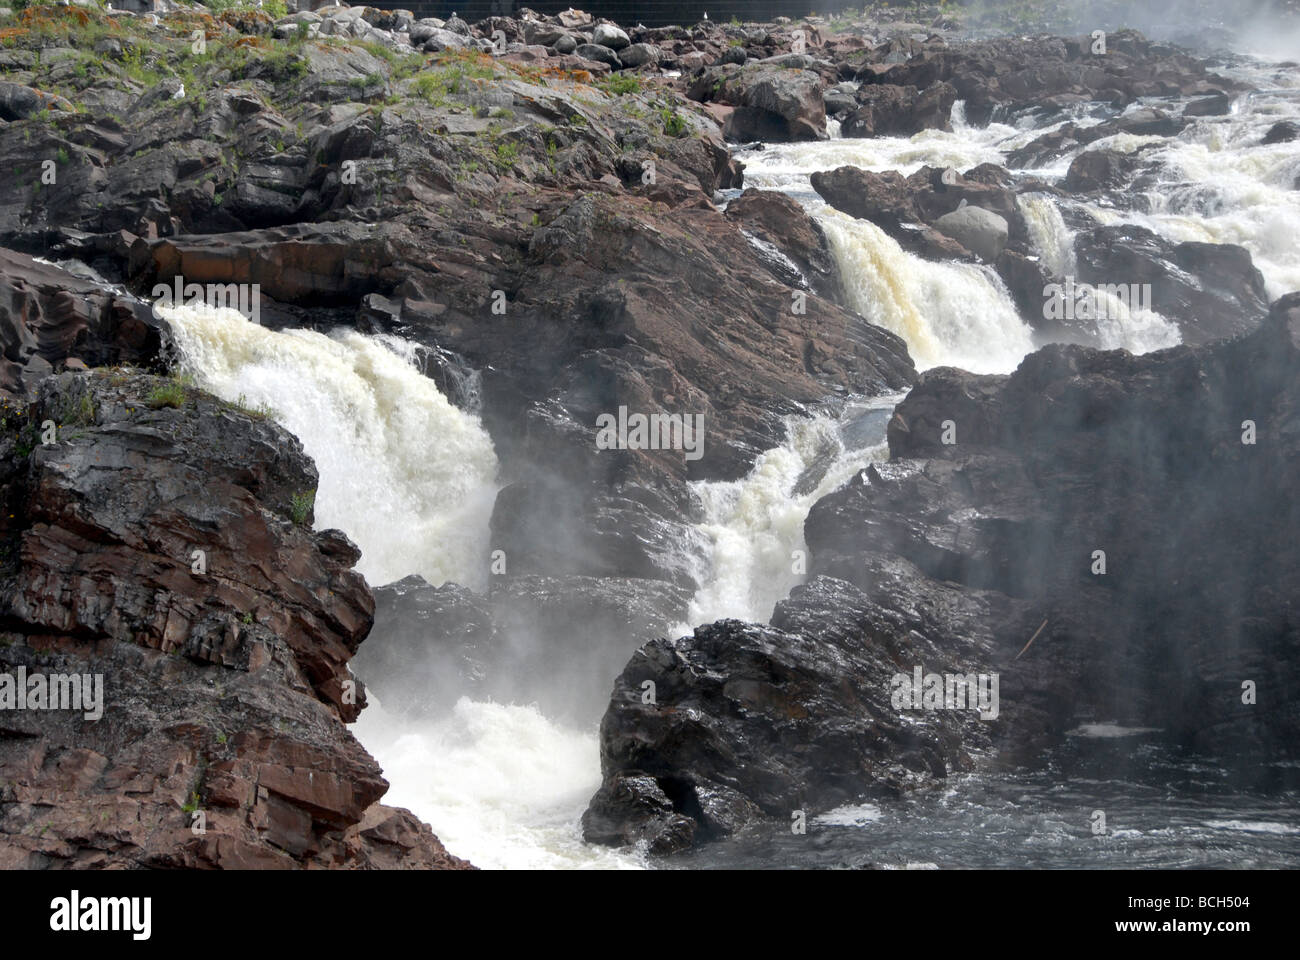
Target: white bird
{"x":180,"y":93}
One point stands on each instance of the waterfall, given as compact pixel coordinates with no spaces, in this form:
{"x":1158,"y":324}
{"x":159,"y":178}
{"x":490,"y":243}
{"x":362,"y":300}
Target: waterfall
{"x":756,"y":523}
{"x":1051,"y":238}
{"x":412,"y":479}
{"x":409,"y":477}
{"x":950,"y":314}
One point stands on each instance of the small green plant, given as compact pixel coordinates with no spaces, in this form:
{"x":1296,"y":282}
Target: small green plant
{"x":173,"y":393}
{"x":507,"y":154}
{"x":77,"y":411}
{"x":260,"y":411}
{"x":221,"y":737}
{"x":674,"y":123}
{"x":622,"y":84}
{"x":300,"y":506}
{"x":192,"y":804}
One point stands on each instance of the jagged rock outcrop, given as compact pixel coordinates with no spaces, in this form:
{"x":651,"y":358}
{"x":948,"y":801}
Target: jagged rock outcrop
{"x":957,"y":553}
{"x":49,"y":316}
{"x":161,"y":541}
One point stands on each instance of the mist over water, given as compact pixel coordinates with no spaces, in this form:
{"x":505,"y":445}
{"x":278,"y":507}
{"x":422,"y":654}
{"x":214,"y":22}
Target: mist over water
{"x":411,"y":479}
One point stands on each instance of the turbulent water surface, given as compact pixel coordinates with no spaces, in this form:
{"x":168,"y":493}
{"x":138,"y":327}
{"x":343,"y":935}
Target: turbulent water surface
{"x":411,"y":479}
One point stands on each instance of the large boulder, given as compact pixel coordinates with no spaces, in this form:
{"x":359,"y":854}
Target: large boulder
{"x":1210,"y":290}
{"x":980,"y":231}
{"x":609,"y":35}
{"x":708,"y":733}
{"x":892,"y":111}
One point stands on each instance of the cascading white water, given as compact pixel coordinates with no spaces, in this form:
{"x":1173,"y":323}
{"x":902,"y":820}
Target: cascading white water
{"x":1051,"y":238}
{"x":500,"y":784}
{"x":756,"y":523}
{"x":950,"y":314}
{"x":411,"y":479}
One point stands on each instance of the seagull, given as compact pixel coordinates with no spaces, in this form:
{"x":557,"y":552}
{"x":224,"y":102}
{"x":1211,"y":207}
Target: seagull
{"x":180,"y":93}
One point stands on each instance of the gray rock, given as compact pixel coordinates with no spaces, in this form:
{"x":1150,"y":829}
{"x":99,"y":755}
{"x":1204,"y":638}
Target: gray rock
{"x":565,"y":44}
{"x":444,"y":40}
{"x":980,"y":231}
{"x":639,"y":54}
{"x":598,"y":53}
{"x":735,"y":55}
{"x":18,"y":102}
{"x":608,"y":35}
{"x":422,"y":30}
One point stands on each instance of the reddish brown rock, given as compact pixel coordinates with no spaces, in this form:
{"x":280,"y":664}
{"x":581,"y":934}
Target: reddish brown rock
{"x":225,"y":683}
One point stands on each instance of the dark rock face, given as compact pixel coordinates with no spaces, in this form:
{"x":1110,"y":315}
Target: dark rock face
{"x":1284,"y":131}
{"x":225,"y":680}
{"x":1209,"y":290}
{"x":751,"y":721}
{"x":1142,"y":458}
{"x":888,"y":110}
{"x":955,"y":555}
{"x":1013,"y":75}
{"x":778,"y":220}
{"x":49,"y":316}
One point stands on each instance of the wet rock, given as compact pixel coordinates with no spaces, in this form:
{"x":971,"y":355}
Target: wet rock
{"x":980,"y":231}
{"x":1284,"y":131}
{"x":748,"y":721}
{"x":1209,"y":290}
{"x":1216,"y":106}
{"x":1095,"y":170}
{"x":888,"y":110}
{"x":778,"y":220}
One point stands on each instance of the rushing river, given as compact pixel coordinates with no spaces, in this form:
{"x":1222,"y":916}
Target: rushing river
{"x":504,"y":785}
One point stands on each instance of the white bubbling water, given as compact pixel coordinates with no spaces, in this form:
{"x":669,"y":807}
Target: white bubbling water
{"x":411,"y":479}
{"x":500,"y":784}
{"x":408,"y":476}
{"x":756,"y":523}
{"x":950,"y":314}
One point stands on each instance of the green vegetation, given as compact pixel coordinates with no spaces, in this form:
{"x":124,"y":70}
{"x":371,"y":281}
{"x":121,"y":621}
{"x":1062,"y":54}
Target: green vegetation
{"x":621,"y":84}
{"x":173,"y":393}
{"x":259,"y":411}
{"x":78,"y":411}
{"x":300,"y":506}
{"x":507,"y":154}
{"x":674,"y":123}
